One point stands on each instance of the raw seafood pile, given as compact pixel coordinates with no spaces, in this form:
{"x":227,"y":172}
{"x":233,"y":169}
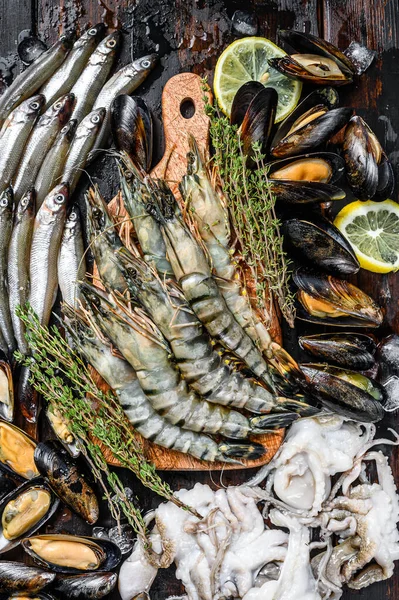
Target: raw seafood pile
{"x":314,"y":535}
{"x":169,"y":324}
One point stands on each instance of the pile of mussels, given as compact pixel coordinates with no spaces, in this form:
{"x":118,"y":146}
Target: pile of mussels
{"x":318,"y":144}
{"x":35,"y":479}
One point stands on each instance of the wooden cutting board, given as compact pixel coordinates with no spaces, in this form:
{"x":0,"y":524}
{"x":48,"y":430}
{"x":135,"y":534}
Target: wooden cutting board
{"x":183,"y":112}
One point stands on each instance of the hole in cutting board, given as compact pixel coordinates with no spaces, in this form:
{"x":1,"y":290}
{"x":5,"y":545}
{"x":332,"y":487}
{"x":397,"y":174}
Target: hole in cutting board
{"x":187,"y":108}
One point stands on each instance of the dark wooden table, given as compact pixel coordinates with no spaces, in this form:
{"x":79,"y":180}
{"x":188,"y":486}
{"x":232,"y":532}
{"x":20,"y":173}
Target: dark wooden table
{"x":189,"y":36}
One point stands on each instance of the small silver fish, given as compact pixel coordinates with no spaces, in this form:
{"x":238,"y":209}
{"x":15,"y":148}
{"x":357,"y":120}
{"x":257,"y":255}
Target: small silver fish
{"x":18,"y":263}
{"x":6,"y":218}
{"x":81,"y":146}
{"x":39,"y":142}
{"x":46,"y":240}
{"x":53,"y":164}
{"x":14,"y":135}
{"x":95,"y":74}
{"x":30,"y":80}
{"x":71,"y":258}
{"x":67,"y":74}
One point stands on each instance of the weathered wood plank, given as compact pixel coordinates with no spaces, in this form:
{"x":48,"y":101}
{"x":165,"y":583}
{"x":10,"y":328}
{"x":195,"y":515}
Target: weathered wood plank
{"x":15,"y":17}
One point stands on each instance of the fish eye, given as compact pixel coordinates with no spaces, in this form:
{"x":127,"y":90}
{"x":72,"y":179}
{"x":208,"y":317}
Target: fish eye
{"x":146,"y":64}
{"x":111,"y":44}
{"x":59,"y":198}
{"x":92,"y":31}
{"x":58,"y":105}
{"x":3,"y":202}
{"x":35,"y":105}
{"x":95,"y":119}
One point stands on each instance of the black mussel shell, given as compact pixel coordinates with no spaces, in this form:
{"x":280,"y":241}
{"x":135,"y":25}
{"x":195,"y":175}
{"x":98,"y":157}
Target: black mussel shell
{"x":110,"y":557}
{"x":311,"y":44}
{"x":369,"y":172}
{"x":346,"y":392}
{"x":311,"y":68}
{"x":326,"y":98}
{"x":131,"y":125}
{"x":66,"y":479}
{"x":243,"y":98}
{"x":89,"y":585}
{"x":17,"y":577}
{"x":30,"y":48}
{"x":305,"y":192}
{"x":322,"y":244}
{"x":386,"y":180}
{"x":311,"y":135}
{"x":320,"y":167}
{"x":39,"y":482}
{"x":328,"y":300}
{"x":29,"y":399}
{"x":7,"y":485}
{"x":350,"y":350}
{"x":21,"y":464}
{"x":258,"y":122}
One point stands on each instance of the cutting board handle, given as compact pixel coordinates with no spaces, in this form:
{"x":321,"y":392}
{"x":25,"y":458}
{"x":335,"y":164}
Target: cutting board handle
{"x":183,"y":112}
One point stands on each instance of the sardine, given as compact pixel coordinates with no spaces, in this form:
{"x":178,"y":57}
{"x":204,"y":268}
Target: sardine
{"x":18,"y":263}
{"x":51,"y":169}
{"x":39,"y":142}
{"x":67,"y":74}
{"x":14,"y":135}
{"x":125,"y":81}
{"x":95,"y":74}
{"x":82,"y":144}
{"x":6,"y":217}
{"x":46,"y":240}
{"x":71,"y":258}
{"x":30,"y":80}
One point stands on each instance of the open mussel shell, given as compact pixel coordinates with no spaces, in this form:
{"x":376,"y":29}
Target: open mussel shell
{"x":316,"y":61}
{"x":368,"y":169}
{"x":131,"y":125}
{"x":17,"y":577}
{"x":320,"y":167}
{"x":258,"y":122}
{"x":66,"y":479}
{"x":16,"y":452}
{"x":350,"y":350}
{"x":311,"y":44}
{"x":346,"y":392}
{"x":305,"y":192}
{"x":72,"y":554}
{"x":24,"y":510}
{"x":63,"y":431}
{"x":243,"y":98}
{"x":320,"y":243}
{"x":309,"y":126}
{"x":30,"y":48}
{"x":328,"y":300}
{"x":88,"y":585}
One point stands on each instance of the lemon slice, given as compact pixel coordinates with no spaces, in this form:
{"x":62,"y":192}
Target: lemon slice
{"x":246,"y":60}
{"x":372,"y":228}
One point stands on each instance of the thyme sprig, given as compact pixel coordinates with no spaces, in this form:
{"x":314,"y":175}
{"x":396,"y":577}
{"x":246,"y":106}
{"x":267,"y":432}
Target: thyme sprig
{"x":64,"y":380}
{"x":252,"y":207}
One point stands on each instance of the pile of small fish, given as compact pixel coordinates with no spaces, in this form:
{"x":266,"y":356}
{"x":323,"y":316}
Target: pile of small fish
{"x":54,"y":118}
